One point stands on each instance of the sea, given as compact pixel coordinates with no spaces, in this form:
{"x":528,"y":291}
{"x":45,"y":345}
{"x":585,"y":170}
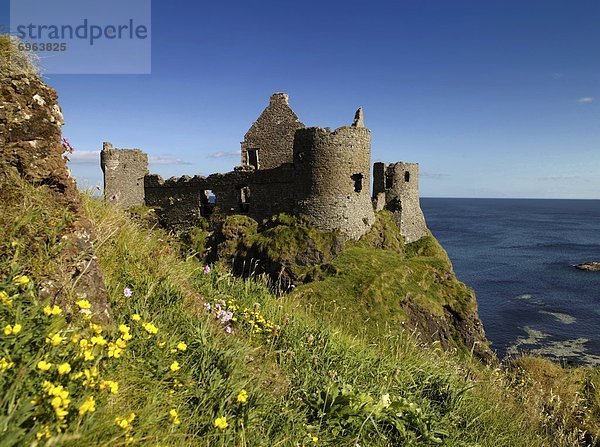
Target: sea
{"x":519,"y":256}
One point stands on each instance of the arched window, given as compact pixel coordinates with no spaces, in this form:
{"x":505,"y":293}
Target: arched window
{"x":407,"y":176}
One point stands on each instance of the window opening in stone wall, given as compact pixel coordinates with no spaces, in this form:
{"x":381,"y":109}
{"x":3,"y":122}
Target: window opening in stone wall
{"x":207,"y":202}
{"x":253,"y":158}
{"x":389,"y":180}
{"x":244,"y":199}
{"x":407,"y":176}
{"x":358,"y":182}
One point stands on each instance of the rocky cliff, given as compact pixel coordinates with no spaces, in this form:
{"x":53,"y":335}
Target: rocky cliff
{"x":31,"y":156}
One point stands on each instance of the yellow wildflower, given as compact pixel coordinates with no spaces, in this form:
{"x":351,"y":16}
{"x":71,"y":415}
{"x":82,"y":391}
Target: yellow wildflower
{"x":98,"y":340}
{"x":54,"y":339}
{"x":88,"y":355}
{"x":90,"y":377}
{"x":314,"y":439}
{"x":20,"y":280}
{"x":12,"y":330}
{"x":96,"y":328}
{"x":174,"y":417}
{"x":242,"y":397}
{"x":124,"y":329}
{"x":127,"y":336}
{"x":61,"y":412}
{"x":44,"y":433}
{"x":150,"y":328}
{"x":5,"y":364}
{"x":88,"y":406}
{"x":109,"y":384}
{"x":175,"y":366}
{"x":5,"y":298}
{"x":114,"y":351}
{"x":221,"y":423}
{"x":136,"y":317}
{"x":181,"y":346}
{"x":64,"y":368}
{"x":44,"y":365}
{"x":84,"y":304}
{"x":121,"y":343}
{"x":125,"y":422}
{"x":52,"y":310}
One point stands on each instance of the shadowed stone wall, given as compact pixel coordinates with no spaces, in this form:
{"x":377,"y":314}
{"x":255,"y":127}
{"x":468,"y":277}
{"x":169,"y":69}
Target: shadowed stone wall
{"x":259,"y":194}
{"x":272,"y":134}
{"x":179,"y":202}
{"x":333,"y":179}
{"x":400,"y":184}
{"x":124,"y":172}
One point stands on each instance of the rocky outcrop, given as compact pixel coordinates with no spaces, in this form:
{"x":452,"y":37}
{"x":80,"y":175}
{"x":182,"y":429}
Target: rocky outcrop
{"x":31,"y":149}
{"x":593,"y":266}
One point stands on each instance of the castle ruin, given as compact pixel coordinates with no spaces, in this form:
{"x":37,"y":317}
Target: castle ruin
{"x":321,"y":175}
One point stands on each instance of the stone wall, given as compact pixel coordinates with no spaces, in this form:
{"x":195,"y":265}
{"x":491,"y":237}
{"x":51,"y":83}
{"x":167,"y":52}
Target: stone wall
{"x":400,"y":184}
{"x":272,"y":134}
{"x":259,"y":194}
{"x":124,"y":172}
{"x":179,"y":202}
{"x":333,"y":179}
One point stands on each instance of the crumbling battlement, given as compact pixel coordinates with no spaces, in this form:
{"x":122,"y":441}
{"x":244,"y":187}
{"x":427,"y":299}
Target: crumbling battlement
{"x":179,"y":201}
{"x":396,"y":188}
{"x":321,"y":175}
{"x":124,"y":172}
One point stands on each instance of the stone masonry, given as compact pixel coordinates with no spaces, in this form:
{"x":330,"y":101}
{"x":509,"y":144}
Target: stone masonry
{"x":320,"y":175}
{"x":396,"y":188}
{"x":124,"y":172}
{"x":269,"y":142}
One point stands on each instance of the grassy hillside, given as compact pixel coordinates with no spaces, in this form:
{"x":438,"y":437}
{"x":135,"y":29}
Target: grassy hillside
{"x":274,"y":372}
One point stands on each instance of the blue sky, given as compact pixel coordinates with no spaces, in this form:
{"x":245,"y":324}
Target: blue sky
{"x":493,"y":98}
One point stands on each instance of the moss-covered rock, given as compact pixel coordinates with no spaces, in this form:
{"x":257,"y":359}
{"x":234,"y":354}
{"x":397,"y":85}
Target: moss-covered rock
{"x":384,"y":234}
{"x":383,"y":292}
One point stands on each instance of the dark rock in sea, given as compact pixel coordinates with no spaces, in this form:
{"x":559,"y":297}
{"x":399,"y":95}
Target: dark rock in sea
{"x":593,"y":266}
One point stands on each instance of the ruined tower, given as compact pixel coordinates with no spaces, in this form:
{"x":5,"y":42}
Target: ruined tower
{"x":396,"y":187}
{"x":269,"y":142}
{"x":333,"y":178}
{"x":124,"y":172}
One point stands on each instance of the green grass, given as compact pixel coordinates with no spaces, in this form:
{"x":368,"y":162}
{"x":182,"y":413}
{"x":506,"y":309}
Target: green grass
{"x":14,"y":61}
{"x":314,"y":375}
{"x":371,"y":287}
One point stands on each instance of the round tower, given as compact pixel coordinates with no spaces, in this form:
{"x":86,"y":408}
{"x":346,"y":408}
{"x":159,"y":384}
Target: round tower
{"x":333,"y":179}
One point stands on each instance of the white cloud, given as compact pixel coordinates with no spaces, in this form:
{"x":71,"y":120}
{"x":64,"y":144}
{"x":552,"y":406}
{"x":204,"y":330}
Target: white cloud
{"x":221,"y":154}
{"x":84,"y":157}
{"x":585,"y":100}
